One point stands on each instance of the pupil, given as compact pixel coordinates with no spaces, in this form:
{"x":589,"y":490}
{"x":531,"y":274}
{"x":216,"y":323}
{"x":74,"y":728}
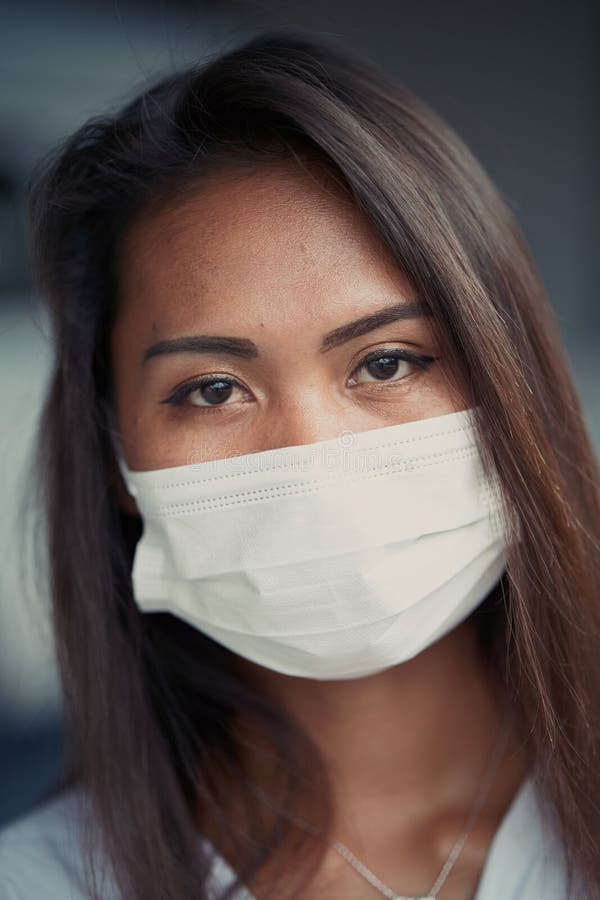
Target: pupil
{"x":383,"y":367}
{"x":216,"y":391}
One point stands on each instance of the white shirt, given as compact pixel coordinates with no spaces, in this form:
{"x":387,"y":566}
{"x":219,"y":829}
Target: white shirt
{"x":41,"y":857}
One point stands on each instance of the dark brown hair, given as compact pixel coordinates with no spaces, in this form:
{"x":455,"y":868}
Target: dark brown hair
{"x":151,"y":702}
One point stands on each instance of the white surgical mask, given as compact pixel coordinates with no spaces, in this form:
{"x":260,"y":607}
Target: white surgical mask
{"x":330,"y":560}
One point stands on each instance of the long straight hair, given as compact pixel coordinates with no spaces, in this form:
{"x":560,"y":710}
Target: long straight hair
{"x":150,"y":702}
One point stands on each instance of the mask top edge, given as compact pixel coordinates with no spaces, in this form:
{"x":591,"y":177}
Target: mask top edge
{"x":347,"y":441}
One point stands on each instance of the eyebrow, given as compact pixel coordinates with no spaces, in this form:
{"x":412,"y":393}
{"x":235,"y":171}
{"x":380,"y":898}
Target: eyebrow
{"x":247,"y":349}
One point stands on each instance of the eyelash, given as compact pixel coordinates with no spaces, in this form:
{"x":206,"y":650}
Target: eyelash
{"x":179,"y":396}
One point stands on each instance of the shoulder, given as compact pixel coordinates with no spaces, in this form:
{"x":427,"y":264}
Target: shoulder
{"x":42,"y":855}
{"x":41,"y":852}
{"x":526,"y":860}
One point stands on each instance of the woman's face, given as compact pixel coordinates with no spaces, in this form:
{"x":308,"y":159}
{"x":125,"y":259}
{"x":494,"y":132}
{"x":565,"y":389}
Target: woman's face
{"x":244,"y":324}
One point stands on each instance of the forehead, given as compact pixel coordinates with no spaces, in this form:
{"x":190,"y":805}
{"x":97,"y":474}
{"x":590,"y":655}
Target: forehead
{"x":280,"y":237}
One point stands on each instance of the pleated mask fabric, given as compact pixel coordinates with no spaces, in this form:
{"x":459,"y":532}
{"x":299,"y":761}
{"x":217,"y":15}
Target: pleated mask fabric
{"x":330,"y":560}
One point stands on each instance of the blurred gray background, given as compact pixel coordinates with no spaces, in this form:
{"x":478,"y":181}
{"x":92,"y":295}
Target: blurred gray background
{"x":520,"y":83}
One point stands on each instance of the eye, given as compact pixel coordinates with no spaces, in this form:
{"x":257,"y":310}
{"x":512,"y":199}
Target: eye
{"x":213,"y":391}
{"x":390,"y":365}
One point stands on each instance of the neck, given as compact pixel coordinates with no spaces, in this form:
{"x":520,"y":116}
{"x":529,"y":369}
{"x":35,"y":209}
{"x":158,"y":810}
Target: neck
{"x":419,"y":734}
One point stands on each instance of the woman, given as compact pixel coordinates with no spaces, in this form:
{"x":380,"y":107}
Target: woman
{"x":322,"y":510}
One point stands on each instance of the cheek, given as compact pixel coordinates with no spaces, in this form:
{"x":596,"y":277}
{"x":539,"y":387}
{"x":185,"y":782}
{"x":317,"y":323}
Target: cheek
{"x":442,"y":393}
{"x":148,"y":441}
{"x":154,"y":437}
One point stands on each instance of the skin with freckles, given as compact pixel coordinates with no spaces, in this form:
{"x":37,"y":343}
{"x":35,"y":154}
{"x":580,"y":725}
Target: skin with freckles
{"x":278,"y":263}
